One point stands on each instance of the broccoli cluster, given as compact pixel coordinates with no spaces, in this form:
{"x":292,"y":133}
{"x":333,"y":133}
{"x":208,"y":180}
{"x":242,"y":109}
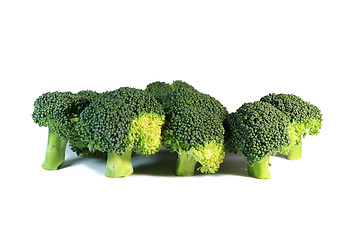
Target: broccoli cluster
{"x":192,"y":124}
{"x":275,"y":124}
{"x":116,"y":123}
{"x":194,"y":127}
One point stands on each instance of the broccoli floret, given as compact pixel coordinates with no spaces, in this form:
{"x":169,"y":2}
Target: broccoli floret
{"x":181,"y":98}
{"x":257,"y":130}
{"x":159,"y":90}
{"x":197,"y":135}
{"x":76,"y":144}
{"x":88,"y":94}
{"x":59,"y":111}
{"x":120,"y":122}
{"x":194,"y":128}
{"x":178,"y":84}
{"x":304,"y":116}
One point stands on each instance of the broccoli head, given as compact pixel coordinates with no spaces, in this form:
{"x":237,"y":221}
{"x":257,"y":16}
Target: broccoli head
{"x":178,"y":84}
{"x":181,"y":98}
{"x":197,"y":136}
{"x":59,"y":111}
{"x":159,"y":90}
{"x":304,"y":116}
{"x":257,"y":130}
{"x":120,"y":122}
{"x":88,"y":94}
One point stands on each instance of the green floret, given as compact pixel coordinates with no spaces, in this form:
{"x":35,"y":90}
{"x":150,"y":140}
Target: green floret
{"x":179,"y":99}
{"x":159,"y":90}
{"x":305,"y":118}
{"x":194,"y":127}
{"x":76,"y":144}
{"x":88,"y":94}
{"x":121,"y":122}
{"x":178,"y":84}
{"x":59,"y":111}
{"x":257,"y":130}
{"x":197,"y":136}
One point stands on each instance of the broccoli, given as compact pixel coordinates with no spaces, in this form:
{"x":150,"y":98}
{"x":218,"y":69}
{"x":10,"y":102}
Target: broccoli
{"x":159,"y":90}
{"x":181,"y":98}
{"x":303,"y":116}
{"x":197,"y":135}
{"x":88,"y":94}
{"x":194,"y":129}
{"x":178,"y":84}
{"x":59,"y":111}
{"x":120,"y":122}
{"x":257,"y":130}
{"x":76,"y":144}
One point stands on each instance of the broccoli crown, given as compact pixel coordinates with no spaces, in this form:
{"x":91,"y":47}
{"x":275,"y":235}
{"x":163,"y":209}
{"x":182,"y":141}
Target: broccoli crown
{"x":88,"y":94}
{"x":188,"y":131}
{"x":159,"y":90}
{"x":303,"y":115}
{"x":122,"y":120}
{"x":181,"y":98}
{"x":190,"y":127}
{"x":257,"y":129}
{"x":178,"y":84}
{"x":59,"y":111}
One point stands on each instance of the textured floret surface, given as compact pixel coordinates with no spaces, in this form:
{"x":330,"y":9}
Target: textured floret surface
{"x":195,"y":131}
{"x":182,"y":98}
{"x":257,"y":129}
{"x":122,"y":120}
{"x":305,"y":117}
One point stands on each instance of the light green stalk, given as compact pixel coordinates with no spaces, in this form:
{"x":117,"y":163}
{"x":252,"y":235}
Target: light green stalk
{"x":55,"y":151}
{"x":119,"y":165}
{"x":185,"y":165}
{"x":260,"y":169}
{"x":295,"y":152}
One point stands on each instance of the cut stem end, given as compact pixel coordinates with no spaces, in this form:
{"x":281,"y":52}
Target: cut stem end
{"x":119,"y":165}
{"x":295,"y":152}
{"x":260,"y":169}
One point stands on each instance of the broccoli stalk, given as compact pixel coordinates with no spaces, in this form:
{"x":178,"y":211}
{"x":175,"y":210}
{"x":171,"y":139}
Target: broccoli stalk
{"x":295,"y":152}
{"x":119,"y":165}
{"x":185,"y":164}
{"x":260,"y":169}
{"x":55,"y":151}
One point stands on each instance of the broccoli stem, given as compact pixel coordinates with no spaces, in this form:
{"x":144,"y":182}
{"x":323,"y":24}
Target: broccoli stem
{"x":295,"y":152}
{"x":55,"y":151}
{"x":119,"y":165}
{"x":185,"y":165}
{"x":260,"y":169}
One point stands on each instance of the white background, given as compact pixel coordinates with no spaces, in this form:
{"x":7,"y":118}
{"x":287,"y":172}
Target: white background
{"x":237,"y":51}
